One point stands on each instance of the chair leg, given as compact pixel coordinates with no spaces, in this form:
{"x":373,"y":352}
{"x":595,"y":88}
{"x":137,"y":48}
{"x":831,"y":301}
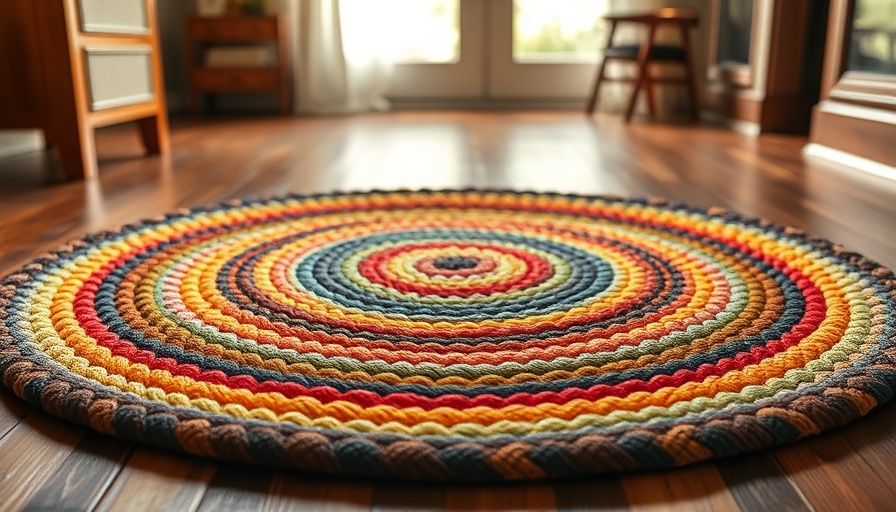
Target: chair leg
{"x":633,"y":100}
{"x":642,"y":78}
{"x":592,"y":102}
{"x":651,"y":96}
{"x":692,"y":93}
{"x":689,"y":69}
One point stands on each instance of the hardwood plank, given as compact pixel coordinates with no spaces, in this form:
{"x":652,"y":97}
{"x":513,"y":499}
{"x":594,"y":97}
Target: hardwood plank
{"x":83,"y":476}
{"x":31,"y":454}
{"x":153,"y":480}
{"x":536,"y":496}
{"x":832,"y":475}
{"x":693,"y":488}
{"x":603,"y":493}
{"x":408,"y":497}
{"x":234,"y":488}
{"x":290,"y":491}
{"x":757,"y":482}
{"x":12,"y":411}
{"x":872,"y":439}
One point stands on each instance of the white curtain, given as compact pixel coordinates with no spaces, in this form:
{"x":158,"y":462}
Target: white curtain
{"x":340,"y":66}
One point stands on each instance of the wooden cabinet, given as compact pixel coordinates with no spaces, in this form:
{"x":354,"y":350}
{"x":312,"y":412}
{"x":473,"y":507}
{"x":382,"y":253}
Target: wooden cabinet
{"x":207,"y":33}
{"x":70,"y":66}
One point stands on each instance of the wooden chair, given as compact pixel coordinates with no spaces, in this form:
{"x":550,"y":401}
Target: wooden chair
{"x":649,"y":52}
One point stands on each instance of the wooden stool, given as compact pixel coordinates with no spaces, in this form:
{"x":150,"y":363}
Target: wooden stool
{"x":648,"y":52}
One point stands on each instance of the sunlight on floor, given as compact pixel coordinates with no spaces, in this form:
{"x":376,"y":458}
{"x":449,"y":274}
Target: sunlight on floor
{"x":410,"y":157}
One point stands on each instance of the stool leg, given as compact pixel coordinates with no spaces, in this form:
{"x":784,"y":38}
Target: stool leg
{"x":592,"y":103}
{"x":689,"y":69}
{"x":651,"y":95}
{"x":643,"y":62}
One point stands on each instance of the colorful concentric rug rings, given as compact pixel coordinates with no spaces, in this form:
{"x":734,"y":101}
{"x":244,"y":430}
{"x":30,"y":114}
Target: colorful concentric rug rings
{"x":452,"y":335}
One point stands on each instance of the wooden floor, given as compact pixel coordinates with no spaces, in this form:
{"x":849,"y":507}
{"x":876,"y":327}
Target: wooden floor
{"x":47,"y":464}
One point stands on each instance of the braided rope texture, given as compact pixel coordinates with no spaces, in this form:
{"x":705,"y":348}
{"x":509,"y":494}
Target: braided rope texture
{"x":452,"y":335}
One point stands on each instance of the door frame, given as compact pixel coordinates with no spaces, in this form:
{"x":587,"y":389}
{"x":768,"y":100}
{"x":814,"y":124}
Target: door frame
{"x":508,"y":79}
{"x":462,"y":79}
{"x":486,"y":72}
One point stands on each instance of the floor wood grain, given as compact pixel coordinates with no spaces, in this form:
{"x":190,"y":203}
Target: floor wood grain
{"x":156,"y":480}
{"x":47,"y":464}
{"x":83,"y":476}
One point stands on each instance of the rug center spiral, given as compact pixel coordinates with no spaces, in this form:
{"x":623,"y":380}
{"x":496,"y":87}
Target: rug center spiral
{"x":455,"y":262}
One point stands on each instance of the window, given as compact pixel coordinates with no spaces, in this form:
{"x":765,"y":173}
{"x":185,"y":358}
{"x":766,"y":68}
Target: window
{"x":558,"y":31}
{"x":413,"y":31}
{"x":873,"y":42}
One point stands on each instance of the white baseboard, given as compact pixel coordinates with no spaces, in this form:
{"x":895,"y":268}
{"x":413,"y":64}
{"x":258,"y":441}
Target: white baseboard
{"x":849,"y":160}
{"x":16,"y":142}
{"x":486,"y":104}
{"x":742,"y":127}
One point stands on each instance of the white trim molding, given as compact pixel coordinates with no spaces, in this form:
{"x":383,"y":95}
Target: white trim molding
{"x":17,"y":142}
{"x":742,"y":127}
{"x":818,"y":151}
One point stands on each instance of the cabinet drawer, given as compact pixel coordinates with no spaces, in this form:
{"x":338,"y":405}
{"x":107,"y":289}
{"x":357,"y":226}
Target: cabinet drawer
{"x":232,"y":29}
{"x":235,"y":80}
{"x":114,"y":16}
{"x":119,"y":75}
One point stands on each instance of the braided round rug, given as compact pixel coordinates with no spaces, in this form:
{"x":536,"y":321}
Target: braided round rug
{"x":453,"y":335}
